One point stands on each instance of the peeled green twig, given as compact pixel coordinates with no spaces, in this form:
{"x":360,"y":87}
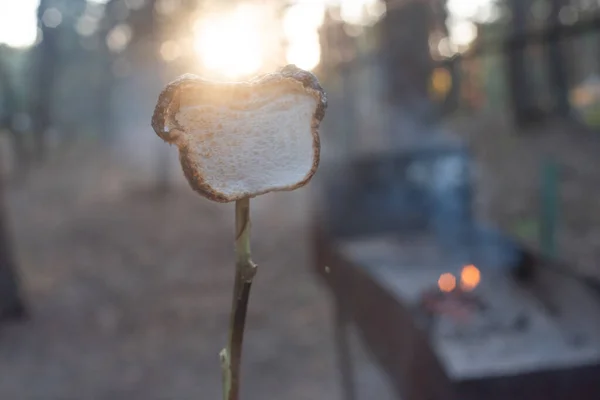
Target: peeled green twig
{"x":245,"y":270}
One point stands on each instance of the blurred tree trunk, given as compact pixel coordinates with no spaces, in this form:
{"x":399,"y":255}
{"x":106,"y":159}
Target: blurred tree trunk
{"x":147,"y":25}
{"x":11,"y":303}
{"x":556,"y":63}
{"x":46,"y":60}
{"x":104,"y":94}
{"x":10,"y":98}
{"x":405,"y":45}
{"x":452,"y":65}
{"x":520,"y":84}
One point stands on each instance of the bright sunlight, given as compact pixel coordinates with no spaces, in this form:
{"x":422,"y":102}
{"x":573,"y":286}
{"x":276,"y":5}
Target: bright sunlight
{"x":301,"y":23}
{"x":18,"y":23}
{"x":232,"y":43}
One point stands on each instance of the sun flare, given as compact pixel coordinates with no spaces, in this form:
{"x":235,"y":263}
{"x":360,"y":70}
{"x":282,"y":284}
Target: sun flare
{"x":231,"y":43}
{"x":236,"y":42}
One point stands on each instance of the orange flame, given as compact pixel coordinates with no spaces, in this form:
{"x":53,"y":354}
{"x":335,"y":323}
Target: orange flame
{"x":470,"y":276}
{"x":447,"y":282}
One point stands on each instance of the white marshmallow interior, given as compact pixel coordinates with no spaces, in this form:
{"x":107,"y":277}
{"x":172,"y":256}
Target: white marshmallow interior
{"x":254,"y":150}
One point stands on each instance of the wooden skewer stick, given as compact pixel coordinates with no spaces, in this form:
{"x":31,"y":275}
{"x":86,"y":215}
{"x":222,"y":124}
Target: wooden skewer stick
{"x":245,"y":270}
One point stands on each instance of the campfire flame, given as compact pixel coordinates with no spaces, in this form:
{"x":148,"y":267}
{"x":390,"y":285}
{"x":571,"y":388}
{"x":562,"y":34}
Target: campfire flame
{"x":470,"y":276}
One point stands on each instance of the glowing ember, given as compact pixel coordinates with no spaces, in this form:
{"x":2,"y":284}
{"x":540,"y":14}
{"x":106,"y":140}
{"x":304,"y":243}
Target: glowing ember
{"x":447,"y":282}
{"x":470,"y":276}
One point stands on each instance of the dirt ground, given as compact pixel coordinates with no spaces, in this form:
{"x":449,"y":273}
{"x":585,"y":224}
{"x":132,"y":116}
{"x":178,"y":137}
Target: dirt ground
{"x":130,"y":292}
